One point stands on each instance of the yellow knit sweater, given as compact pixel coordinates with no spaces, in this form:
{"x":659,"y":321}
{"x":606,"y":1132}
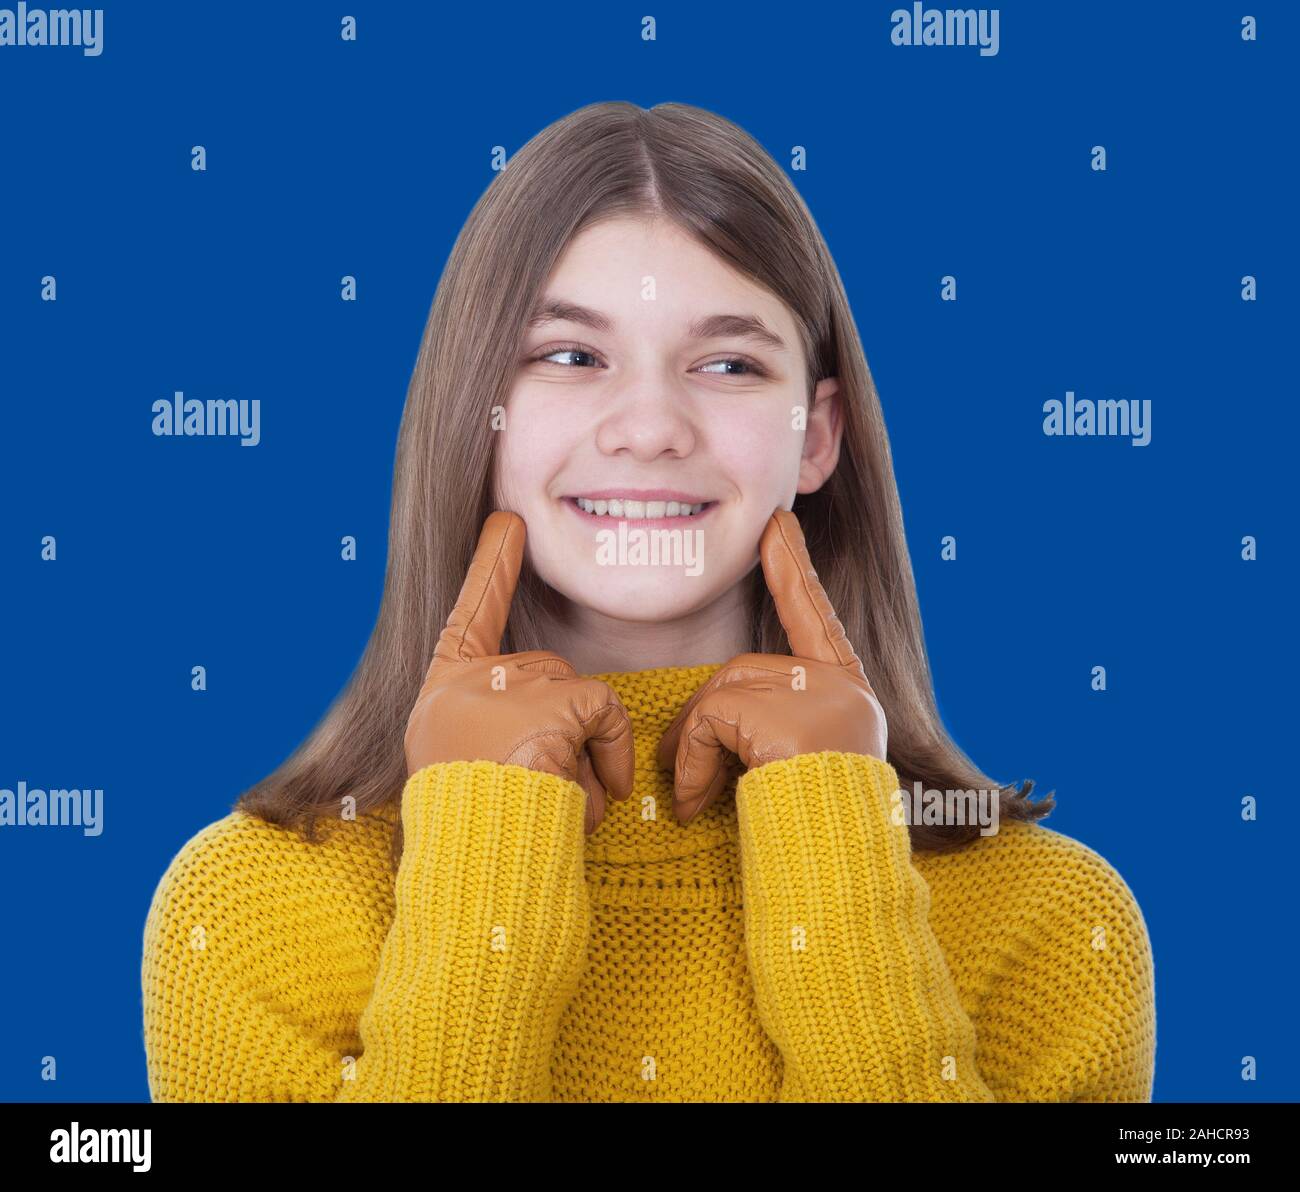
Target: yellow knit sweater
{"x":786,"y":945}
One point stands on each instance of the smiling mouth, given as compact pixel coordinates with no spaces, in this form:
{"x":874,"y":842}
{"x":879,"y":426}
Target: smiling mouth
{"x":657,"y":513}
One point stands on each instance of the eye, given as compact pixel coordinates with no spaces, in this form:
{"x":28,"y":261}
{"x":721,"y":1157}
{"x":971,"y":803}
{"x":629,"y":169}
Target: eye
{"x":733,"y":366}
{"x":752,"y":367}
{"x":563,"y":350}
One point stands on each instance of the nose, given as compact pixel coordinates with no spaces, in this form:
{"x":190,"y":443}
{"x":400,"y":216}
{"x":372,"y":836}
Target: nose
{"x":646,"y":419}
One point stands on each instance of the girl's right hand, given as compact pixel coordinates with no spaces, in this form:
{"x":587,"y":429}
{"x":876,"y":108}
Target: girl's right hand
{"x":530,"y":709}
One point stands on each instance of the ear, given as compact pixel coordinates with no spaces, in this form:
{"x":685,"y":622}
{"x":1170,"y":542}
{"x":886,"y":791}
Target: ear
{"x":821,"y":444}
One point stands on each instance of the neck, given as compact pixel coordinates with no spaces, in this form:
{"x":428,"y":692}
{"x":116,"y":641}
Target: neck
{"x":599,"y":644}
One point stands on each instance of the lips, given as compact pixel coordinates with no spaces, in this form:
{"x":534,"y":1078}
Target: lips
{"x":643,"y":494}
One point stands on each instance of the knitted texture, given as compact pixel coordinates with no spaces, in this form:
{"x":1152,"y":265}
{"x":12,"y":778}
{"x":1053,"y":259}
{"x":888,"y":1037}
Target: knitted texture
{"x":785,"y":945}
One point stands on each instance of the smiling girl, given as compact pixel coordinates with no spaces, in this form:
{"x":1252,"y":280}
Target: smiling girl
{"x":583,"y":830}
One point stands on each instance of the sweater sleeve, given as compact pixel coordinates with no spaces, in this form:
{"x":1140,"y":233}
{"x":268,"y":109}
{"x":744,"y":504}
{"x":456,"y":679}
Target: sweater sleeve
{"x":849,"y":979}
{"x":486,"y":946}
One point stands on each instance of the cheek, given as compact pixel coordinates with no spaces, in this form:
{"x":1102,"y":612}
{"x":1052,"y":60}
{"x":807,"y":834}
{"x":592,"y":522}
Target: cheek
{"x":760,"y":451}
{"x":531,"y":448}
{"x":505,"y":472}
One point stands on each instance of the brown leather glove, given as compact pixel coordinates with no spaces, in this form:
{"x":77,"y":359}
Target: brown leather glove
{"x":757,"y":708}
{"x":534,"y":711}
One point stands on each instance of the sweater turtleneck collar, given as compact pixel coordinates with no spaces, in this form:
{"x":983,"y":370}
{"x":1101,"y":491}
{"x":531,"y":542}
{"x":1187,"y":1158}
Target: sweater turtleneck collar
{"x":643,"y":828}
{"x":654,"y":697}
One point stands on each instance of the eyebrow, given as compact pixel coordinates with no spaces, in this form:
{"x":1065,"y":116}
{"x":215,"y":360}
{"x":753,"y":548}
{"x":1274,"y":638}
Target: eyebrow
{"x":749,"y":327}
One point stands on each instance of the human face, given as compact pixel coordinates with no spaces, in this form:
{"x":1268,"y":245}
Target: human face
{"x":632,"y":385}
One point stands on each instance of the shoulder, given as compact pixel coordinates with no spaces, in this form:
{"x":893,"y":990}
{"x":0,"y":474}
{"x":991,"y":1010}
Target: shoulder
{"x":1052,"y":953}
{"x":1034,"y":909}
{"x":1038,"y":873}
{"x":259,"y":951}
{"x":242,"y":874}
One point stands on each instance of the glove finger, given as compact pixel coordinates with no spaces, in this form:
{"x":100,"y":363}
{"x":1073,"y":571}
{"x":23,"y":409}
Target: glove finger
{"x":742,"y":668}
{"x":612,"y":745}
{"x":702,"y":770}
{"x":544,"y":661}
{"x":595,"y":812}
{"x":478,"y":620}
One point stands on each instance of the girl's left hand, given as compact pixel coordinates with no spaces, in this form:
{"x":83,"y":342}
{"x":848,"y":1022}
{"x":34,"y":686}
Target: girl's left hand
{"x":758,"y":706}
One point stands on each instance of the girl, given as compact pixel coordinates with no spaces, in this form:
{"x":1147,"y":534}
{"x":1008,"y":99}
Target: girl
{"x":640,"y":329}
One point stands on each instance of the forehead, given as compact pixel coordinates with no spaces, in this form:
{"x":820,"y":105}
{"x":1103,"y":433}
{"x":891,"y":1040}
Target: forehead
{"x":633,"y":269}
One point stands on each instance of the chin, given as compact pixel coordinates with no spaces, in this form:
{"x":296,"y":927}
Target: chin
{"x":638,"y":595}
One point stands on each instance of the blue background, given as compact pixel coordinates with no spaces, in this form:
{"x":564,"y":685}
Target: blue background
{"x":328,"y":158}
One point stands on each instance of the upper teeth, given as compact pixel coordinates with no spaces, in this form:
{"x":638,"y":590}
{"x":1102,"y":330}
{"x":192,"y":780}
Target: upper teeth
{"x":639,"y":509}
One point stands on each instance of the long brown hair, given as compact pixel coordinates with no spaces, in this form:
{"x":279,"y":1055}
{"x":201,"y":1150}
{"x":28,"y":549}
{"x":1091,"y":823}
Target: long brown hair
{"x":603,"y":161}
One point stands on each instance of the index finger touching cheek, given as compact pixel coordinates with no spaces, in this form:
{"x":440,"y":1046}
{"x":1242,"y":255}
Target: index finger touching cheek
{"x":801,"y":602}
{"x":477,"y":623}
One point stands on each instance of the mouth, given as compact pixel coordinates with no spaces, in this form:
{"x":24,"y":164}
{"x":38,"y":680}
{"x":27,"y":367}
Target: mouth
{"x":656,"y":510}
